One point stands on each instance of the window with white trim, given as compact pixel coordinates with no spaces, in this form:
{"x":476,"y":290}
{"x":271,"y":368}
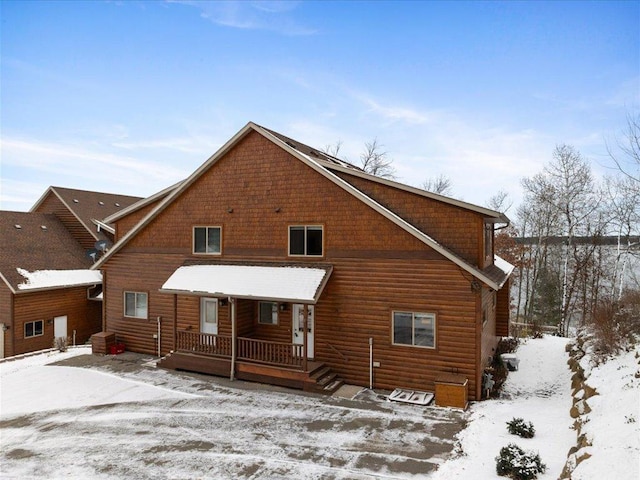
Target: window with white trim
{"x":135,"y":305}
{"x":207,"y":240}
{"x":305,"y":240}
{"x":34,"y":329}
{"x":414,"y":329}
{"x":268,"y":314}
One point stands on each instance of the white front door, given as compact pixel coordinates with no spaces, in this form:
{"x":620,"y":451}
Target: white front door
{"x":209,"y":315}
{"x":60,"y":327}
{"x":298,"y":328}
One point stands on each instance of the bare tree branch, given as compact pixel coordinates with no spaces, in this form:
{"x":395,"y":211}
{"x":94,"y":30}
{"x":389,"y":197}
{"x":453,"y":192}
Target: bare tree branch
{"x":376,"y":161}
{"x":441,"y":185}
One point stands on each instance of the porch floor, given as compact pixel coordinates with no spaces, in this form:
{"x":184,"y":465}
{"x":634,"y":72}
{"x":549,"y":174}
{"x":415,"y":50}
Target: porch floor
{"x":317,"y":377}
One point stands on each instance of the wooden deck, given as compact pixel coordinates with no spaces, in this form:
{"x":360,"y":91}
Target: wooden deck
{"x":257,"y":361}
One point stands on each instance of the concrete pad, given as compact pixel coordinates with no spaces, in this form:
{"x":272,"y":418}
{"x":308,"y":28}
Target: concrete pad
{"x":347,"y":391}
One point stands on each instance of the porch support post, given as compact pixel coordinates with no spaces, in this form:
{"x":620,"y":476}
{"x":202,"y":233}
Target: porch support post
{"x":175,"y":322}
{"x":305,"y":327}
{"x":232,"y":306}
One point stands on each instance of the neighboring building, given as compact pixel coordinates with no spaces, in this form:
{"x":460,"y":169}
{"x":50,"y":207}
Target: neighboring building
{"x":83,"y":213}
{"x":276,"y":262}
{"x":47,"y":289}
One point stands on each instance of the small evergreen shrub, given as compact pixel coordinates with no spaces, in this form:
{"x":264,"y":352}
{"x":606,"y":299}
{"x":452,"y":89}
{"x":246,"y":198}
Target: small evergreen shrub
{"x":517,"y":426}
{"x":513,"y":462}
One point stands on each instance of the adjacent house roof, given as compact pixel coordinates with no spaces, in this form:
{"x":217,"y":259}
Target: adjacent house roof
{"x":325,"y":166}
{"x":34,"y":242}
{"x":88,"y":208}
{"x":156,"y":197}
{"x":285,"y":283}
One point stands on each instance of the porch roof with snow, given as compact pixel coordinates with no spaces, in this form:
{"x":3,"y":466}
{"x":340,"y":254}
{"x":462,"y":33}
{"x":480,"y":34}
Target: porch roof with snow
{"x":282,"y":283}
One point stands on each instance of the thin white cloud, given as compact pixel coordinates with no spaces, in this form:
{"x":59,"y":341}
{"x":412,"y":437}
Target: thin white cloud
{"x":272,"y":16}
{"x":29,"y":166}
{"x":393,"y":113}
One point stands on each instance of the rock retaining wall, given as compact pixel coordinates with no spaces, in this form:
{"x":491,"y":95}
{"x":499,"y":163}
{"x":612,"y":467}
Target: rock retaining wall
{"x":581,"y":392}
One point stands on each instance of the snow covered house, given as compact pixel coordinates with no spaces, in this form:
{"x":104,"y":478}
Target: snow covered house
{"x":278,"y":263}
{"x":47,"y":289}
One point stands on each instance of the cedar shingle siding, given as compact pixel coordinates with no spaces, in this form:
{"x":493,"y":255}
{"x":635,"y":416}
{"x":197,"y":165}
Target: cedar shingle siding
{"x":255,"y":190}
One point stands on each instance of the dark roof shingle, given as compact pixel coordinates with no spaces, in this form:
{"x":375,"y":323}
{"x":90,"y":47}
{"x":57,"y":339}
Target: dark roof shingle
{"x":36,"y":241}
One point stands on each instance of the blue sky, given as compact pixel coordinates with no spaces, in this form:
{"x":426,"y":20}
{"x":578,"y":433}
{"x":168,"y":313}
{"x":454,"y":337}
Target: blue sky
{"x":130,"y":97}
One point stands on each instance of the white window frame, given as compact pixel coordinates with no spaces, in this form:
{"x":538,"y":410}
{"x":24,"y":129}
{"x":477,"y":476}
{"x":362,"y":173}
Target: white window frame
{"x":206,"y":227}
{"x":34,"y":329}
{"x":135,"y":307}
{"x":413,"y":314}
{"x":274,"y":313}
{"x":306,"y":229}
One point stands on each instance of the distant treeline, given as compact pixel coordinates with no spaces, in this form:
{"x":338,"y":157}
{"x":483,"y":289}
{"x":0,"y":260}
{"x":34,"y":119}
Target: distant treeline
{"x":590,"y":240}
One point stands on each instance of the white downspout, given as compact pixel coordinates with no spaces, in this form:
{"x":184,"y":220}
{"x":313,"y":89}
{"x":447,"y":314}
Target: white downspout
{"x":159,"y":338}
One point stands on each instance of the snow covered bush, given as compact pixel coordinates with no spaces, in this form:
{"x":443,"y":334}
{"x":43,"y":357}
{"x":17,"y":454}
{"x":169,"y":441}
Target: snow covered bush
{"x":513,"y":462}
{"x":517,"y":426}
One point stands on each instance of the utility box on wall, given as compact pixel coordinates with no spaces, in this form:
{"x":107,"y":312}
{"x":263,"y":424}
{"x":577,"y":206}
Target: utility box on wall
{"x":452,"y":390}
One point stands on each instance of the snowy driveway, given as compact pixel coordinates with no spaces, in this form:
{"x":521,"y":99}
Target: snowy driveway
{"x":195,"y":426}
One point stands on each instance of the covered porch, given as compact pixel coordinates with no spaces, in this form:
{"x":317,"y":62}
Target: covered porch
{"x":236,"y":343}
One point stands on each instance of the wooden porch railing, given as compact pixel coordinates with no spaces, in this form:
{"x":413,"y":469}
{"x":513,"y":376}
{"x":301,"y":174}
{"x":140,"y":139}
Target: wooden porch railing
{"x":249,"y":349}
{"x":204,"y":343}
{"x":273,"y":353}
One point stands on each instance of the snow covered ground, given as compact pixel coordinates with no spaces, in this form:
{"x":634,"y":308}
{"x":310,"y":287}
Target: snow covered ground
{"x":94,"y":422}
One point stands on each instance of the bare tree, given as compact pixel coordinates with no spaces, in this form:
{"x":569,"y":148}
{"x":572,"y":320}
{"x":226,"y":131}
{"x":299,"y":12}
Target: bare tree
{"x":500,"y":202}
{"x":627,"y":156}
{"x":566,"y":189}
{"x":441,"y":185}
{"x":622,"y":202}
{"x":376,"y":161}
{"x":333,"y":149}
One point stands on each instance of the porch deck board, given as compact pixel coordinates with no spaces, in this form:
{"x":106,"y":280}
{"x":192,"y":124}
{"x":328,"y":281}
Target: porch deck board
{"x":250,"y":371}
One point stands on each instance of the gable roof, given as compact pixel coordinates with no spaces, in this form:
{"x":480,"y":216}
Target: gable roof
{"x":36,"y":241}
{"x":323,"y":164}
{"x":89,"y":208}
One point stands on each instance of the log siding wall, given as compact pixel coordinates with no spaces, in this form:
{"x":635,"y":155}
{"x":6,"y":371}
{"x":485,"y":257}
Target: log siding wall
{"x":83,"y":315}
{"x":255,"y":192}
{"x":6,"y":317}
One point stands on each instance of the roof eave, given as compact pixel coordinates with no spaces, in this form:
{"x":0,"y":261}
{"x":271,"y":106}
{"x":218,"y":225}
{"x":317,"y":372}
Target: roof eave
{"x":7,"y":283}
{"x":487,"y":212}
{"x":21,"y":291}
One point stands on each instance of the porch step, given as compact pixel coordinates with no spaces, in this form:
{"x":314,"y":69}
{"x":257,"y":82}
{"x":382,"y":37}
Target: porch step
{"x":326,"y":381}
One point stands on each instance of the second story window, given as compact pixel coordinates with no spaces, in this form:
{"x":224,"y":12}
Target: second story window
{"x":305,"y":240}
{"x":207,"y":240}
